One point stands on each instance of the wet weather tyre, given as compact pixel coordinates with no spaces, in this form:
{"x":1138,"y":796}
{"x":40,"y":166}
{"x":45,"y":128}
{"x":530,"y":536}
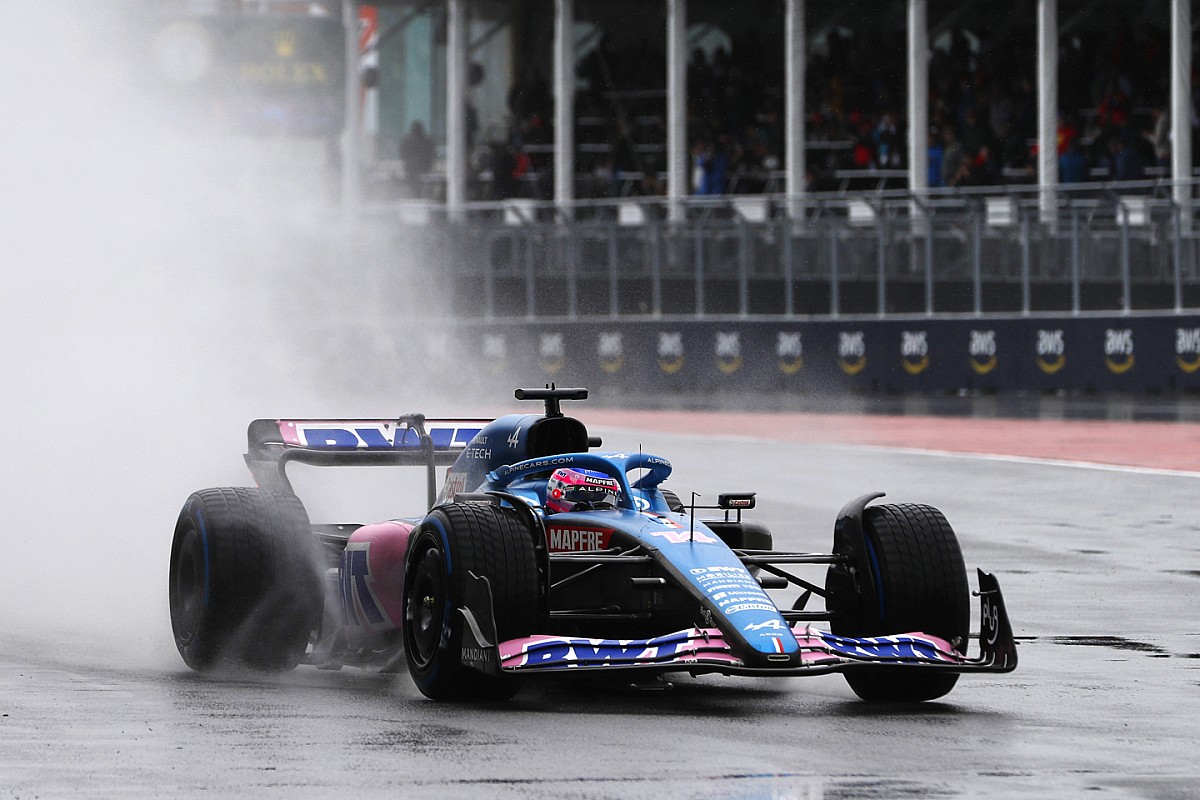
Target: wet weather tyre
{"x":245,"y":584}
{"x":452,"y":541}
{"x":911,"y":578}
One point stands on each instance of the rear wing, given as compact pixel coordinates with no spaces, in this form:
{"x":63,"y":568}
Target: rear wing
{"x":411,"y":440}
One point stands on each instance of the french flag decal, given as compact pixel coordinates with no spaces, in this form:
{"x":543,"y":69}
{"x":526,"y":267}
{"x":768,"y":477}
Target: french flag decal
{"x":778,"y":644}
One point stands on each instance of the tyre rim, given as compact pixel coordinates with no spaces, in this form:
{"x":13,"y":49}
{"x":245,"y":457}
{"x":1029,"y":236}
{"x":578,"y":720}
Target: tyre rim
{"x":426,"y":606}
{"x":187,"y":588}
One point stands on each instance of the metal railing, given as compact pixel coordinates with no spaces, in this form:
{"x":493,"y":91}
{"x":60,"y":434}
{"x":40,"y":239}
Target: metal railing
{"x":1092,"y":247}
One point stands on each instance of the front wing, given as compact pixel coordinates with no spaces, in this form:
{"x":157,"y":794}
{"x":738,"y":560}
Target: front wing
{"x":700,"y":650}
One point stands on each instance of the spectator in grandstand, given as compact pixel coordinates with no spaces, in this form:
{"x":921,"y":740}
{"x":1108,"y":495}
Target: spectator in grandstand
{"x":1068,"y":133}
{"x":416,"y":153}
{"x":502,"y":164}
{"x":1013,"y":155}
{"x":1113,"y":109}
{"x":955,"y":164}
{"x":981,"y":169}
{"x":1125,"y":162}
{"x":1159,"y":137}
{"x":1072,"y":164}
{"x":887,"y":143}
{"x":937,"y":152}
{"x":712,"y":161}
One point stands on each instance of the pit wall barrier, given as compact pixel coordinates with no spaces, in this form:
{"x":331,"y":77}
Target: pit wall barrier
{"x":1155,"y":354}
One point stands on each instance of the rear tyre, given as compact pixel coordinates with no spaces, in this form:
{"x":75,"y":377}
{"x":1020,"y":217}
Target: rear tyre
{"x":487,"y":541}
{"x":916,"y":582}
{"x":245,"y":585}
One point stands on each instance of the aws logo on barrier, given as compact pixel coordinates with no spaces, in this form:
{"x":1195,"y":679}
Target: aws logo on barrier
{"x":914,"y":351}
{"x":852,"y":351}
{"x":789,"y":350}
{"x":1187,"y":349}
{"x":729,"y":352}
{"x":552,"y":352}
{"x":982,"y":351}
{"x":611,"y":350}
{"x":1051,"y":351}
{"x":670,"y":351}
{"x":495,"y":352}
{"x":1118,"y":350}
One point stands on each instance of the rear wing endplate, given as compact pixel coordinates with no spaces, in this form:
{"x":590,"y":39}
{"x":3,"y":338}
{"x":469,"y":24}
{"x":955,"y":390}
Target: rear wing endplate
{"x":410,"y":440}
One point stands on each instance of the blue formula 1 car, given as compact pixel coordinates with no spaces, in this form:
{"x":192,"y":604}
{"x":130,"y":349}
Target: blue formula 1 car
{"x":543,"y":556}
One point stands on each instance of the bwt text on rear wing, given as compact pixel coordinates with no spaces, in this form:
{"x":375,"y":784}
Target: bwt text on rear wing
{"x":410,"y":440}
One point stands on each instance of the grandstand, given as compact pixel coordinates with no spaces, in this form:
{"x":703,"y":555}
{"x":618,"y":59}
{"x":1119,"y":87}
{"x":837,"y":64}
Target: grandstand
{"x":795,"y":160}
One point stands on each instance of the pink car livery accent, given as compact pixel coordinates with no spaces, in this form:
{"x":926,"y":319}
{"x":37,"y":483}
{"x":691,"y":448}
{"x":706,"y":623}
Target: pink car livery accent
{"x":372,"y":577}
{"x":707,"y":647}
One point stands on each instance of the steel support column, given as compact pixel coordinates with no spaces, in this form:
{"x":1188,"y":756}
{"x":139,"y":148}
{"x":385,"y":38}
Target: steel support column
{"x":918,"y":108}
{"x":677,"y":54}
{"x":795,"y":57}
{"x":564,"y":106}
{"x":1181,"y":109}
{"x":352,"y":132}
{"x":456,"y":107}
{"x":1047,"y":88}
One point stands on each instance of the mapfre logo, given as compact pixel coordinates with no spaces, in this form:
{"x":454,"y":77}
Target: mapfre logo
{"x":728,"y":349}
{"x":789,"y":351}
{"x":670,"y":351}
{"x":495,"y":351}
{"x":1051,"y":351}
{"x":982,"y":351}
{"x":576,"y":540}
{"x":1187,"y":349}
{"x":852,"y":351}
{"x":611,"y":350}
{"x":914,"y":351}
{"x":553,"y":353}
{"x":1118,"y":350}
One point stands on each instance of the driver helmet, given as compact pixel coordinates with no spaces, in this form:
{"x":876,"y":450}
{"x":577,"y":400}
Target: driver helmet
{"x":572,"y":486}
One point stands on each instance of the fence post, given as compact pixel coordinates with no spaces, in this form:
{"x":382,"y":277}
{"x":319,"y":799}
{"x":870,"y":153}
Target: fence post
{"x":928,"y":228}
{"x":530,"y":282}
{"x":1025,"y":257}
{"x":698,"y":257}
{"x":1125,"y":270}
{"x":1075,"y":291}
{"x":789,"y":266}
{"x":572,"y":277}
{"x":612,"y":271}
{"x":881,"y":234}
{"x":977,"y":256}
{"x":1177,"y":253}
{"x":835,"y":287}
{"x":743,"y":269}
{"x":489,"y":309}
{"x":656,"y":269}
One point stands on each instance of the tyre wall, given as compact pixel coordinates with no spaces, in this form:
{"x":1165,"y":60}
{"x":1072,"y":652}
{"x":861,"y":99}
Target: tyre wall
{"x":1158,"y":354}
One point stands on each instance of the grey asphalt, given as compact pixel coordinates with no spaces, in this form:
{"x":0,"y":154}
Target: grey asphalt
{"x":1100,"y":568}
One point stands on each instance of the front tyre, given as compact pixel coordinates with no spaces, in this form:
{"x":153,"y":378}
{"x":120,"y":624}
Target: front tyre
{"x":911,"y":578}
{"x":245,"y":582}
{"x":452,"y":541}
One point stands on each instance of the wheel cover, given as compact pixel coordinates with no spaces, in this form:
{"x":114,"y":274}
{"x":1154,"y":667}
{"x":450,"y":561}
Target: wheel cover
{"x":187,"y":589}
{"x":426,"y":605}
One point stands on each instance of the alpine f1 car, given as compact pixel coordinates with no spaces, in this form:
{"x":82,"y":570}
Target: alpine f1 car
{"x":542,"y":555}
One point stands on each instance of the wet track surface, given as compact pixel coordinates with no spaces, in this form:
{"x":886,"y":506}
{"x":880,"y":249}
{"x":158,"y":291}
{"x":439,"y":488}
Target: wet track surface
{"x":1101,"y":573}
